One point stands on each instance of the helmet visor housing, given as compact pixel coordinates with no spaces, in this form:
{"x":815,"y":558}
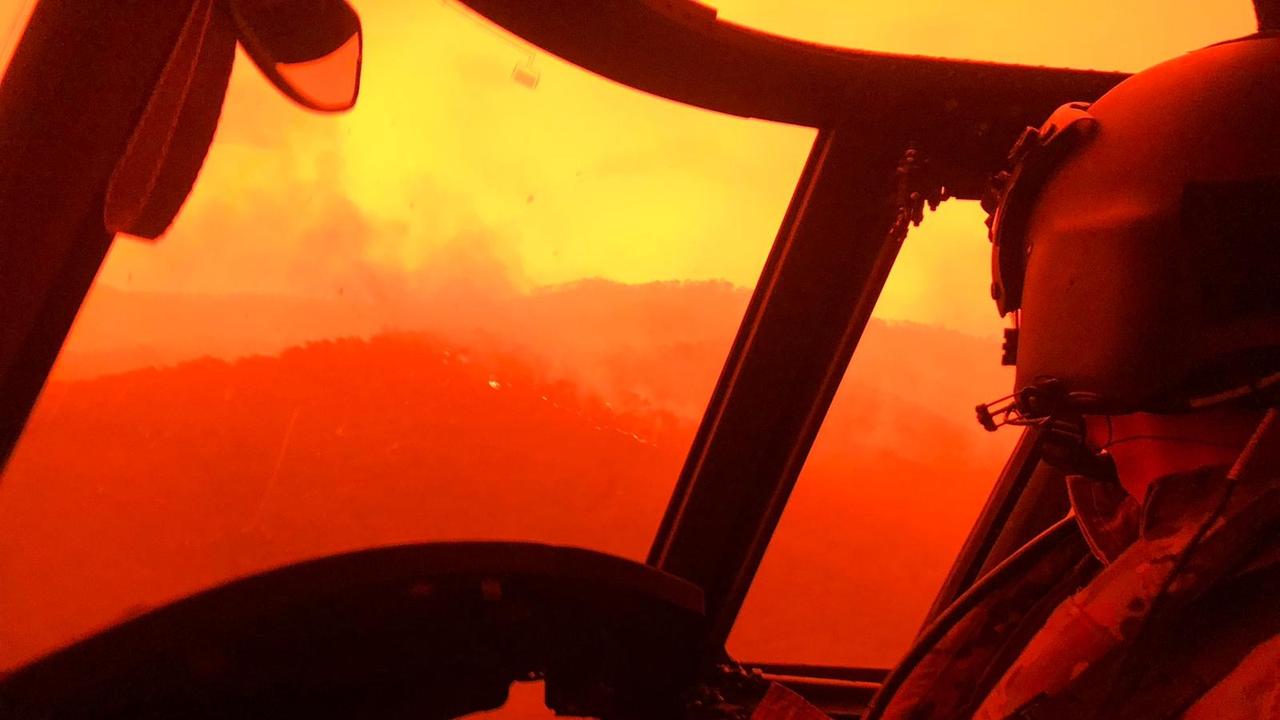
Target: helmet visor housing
{"x":1144,"y":259}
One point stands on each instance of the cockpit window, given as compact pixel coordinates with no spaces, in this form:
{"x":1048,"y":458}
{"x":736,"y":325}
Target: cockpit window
{"x":13,"y":20}
{"x":899,"y":470}
{"x":491,"y":302}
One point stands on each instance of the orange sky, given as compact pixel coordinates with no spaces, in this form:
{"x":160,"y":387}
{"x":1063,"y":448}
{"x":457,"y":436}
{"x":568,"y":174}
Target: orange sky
{"x":449,"y":168}
{"x":1099,"y":34}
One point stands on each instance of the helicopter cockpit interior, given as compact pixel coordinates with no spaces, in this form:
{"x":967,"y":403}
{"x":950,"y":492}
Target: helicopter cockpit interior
{"x":366,"y":361}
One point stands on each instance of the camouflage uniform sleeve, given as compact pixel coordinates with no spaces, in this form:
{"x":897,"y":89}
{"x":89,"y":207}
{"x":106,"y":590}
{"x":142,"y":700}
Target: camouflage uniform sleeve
{"x":1196,"y":531}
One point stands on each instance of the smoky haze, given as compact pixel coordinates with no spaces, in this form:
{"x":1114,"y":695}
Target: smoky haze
{"x":475,"y":308}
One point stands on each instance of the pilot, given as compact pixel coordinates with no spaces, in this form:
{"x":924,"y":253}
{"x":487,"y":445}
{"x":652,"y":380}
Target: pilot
{"x":1137,"y":247}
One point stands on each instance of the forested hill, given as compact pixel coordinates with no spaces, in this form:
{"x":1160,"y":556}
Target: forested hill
{"x":565,"y":419}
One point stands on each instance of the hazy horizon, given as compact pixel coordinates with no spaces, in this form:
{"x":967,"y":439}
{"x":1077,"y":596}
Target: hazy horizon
{"x":568,"y":413}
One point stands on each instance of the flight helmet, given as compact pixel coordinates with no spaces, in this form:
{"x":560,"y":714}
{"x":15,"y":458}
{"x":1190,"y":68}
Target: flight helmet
{"x":1136,"y":243}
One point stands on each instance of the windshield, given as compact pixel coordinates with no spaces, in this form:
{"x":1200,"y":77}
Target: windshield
{"x":13,"y":18}
{"x":899,"y":470}
{"x":492,"y":302}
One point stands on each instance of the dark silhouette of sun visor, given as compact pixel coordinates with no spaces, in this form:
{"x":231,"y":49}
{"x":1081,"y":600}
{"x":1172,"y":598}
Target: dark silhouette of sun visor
{"x":310,"y":50}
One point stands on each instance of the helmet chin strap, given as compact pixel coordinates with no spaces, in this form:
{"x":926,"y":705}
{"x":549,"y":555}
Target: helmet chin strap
{"x":1147,"y":448}
{"x":1263,"y":391}
{"x":1063,"y":446}
{"x":1171,"y":439}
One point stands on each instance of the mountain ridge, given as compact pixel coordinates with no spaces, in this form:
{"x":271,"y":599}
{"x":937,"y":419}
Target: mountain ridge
{"x":560,"y":416}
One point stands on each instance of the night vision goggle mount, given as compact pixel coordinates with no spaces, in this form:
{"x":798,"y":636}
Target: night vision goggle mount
{"x":1034,"y":405}
{"x":1011,"y":197}
{"x":1059,"y":417}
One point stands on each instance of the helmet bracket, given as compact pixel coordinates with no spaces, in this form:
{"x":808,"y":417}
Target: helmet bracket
{"x":1012,"y":195}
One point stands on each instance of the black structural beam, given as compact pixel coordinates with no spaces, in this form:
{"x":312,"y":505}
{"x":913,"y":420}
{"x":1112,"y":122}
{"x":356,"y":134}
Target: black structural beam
{"x":70,"y":99}
{"x":814,"y":298}
{"x":968,"y":112}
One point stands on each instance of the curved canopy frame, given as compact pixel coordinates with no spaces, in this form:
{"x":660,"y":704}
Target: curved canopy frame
{"x":963,"y":111}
